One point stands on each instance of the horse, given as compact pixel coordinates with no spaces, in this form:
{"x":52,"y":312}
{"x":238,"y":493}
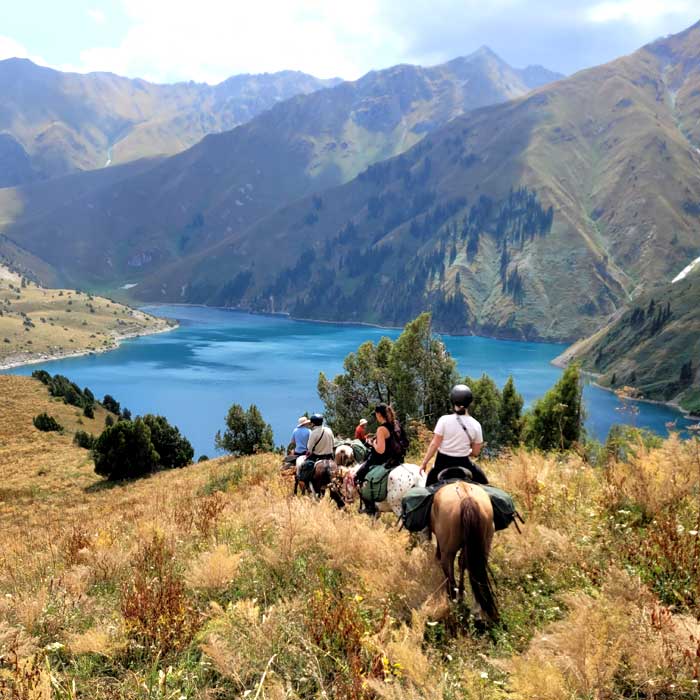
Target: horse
{"x":344,"y":456}
{"x":462,"y":520}
{"x":327,"y":475}
{"x":401,"y":480}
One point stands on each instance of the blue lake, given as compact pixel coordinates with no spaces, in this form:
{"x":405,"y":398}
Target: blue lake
{"x":219,"y":357}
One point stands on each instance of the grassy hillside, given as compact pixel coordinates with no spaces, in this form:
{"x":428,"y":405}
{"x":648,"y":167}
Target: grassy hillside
{"x":123,"y":231}
{"x":38,"y":323}
{"x":654,"y":346}
{"x":55,"y":123}
{"x":213,"y":581}
{"x":461,"y":223}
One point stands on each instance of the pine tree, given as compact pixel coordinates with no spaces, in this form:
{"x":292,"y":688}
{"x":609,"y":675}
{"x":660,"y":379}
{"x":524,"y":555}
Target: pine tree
{"x":555,"y":422}
{"x":511,"y":415}
{"x":486,"y":408}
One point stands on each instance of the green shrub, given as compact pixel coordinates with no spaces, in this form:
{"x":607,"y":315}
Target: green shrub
{"x":203,"y":458}
{"x":174,"y":449}
{"x":125,"y":451}
{"x":246,"y":432}
{"x":111,"y":404}
{"x":109,"y":421}
{"x":84,"y":439}
{"x":46,"y":423}
{"x":89,"y":410}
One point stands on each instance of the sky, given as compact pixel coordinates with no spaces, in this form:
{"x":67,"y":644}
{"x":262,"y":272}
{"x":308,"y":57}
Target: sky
{"x":210,"y":40}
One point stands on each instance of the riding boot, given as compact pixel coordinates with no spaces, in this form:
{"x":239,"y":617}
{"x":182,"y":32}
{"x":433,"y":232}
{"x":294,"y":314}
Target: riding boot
{"x":368,"y":507}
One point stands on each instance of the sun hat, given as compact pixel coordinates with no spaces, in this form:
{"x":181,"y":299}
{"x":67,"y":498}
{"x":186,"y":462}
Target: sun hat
{"x":302,"y":421}
{"x":363,"y":421}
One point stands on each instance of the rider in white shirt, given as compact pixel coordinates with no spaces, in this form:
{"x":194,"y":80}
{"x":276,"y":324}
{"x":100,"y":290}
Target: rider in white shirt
{"x":457,"y":437}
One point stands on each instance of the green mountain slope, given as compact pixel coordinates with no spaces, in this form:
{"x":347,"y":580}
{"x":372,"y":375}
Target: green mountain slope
{"x":53,"y":123}
{"x":654,"y":346}
{"x":227,"y":182}
{"x":537,"y":218}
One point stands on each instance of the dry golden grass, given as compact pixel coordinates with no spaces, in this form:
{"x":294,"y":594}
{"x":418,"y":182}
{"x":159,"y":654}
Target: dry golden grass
{"x":36,"y":323}
{"x":290,"y":598}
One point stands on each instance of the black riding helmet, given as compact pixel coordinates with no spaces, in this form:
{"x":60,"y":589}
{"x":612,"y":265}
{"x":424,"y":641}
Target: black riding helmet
{"x":316,"y":419}
{"x":461,"y":395}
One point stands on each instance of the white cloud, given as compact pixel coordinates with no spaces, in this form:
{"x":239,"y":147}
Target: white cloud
{"x":9,"y":48}
{"x":638,"y":11}
{"x":211,"y":40}
{"x":97,"y":15}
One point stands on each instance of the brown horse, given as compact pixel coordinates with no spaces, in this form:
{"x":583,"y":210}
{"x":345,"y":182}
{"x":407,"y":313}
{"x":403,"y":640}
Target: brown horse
{"x":462,"y":520}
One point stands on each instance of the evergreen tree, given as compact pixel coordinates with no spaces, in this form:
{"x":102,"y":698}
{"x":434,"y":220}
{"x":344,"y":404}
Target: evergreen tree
{"x":246,"y":432}
{"x":125,"y":451}
{"x":555,"y":422}
{"x":511,"y":415}
{"x":173,"y":449}
{"x":486,"y":408}
{"x":111,"y":404}
{"x":414,"y":373}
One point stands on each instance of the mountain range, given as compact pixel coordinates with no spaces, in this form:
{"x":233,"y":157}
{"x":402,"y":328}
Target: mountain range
{"x":103,"y":227}
{"x":532,"y":219}
{"x":511,"y":203}
{"x":54,"y":123}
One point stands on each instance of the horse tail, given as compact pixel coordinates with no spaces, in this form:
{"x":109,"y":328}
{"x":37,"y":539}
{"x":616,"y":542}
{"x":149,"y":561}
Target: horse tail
{"x":475,"y":556}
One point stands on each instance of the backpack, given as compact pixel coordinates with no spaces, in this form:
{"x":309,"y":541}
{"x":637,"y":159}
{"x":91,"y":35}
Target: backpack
{"x":376,"y":484}
{"x":359,"y":450}
{"x":401,"y":442}
{"x":504,"y":511}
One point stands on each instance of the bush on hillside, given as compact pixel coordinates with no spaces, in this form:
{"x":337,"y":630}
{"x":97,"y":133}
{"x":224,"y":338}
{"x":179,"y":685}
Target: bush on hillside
{"x":89,"y":410}
{"x":246,"y":432}
{"x":109,"y":421}
{"x":111,"y":404}
{"x":125,"y":451}
{"x":84,"y":439}
{"x":46,"y":423}
{"x":555,"y":421}
{"x":174,"y":449}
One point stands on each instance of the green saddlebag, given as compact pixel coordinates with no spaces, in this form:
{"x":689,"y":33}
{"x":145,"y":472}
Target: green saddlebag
{"x":504,"y":511}
{"x":415,"y":508}
{"x":359,"y":450}
{"x":376,"y":484}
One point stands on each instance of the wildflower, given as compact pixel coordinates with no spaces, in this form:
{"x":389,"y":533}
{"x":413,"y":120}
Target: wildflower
{"x":54,"y":646}
{"x":693,"y":532}
{"x":484,"y":675}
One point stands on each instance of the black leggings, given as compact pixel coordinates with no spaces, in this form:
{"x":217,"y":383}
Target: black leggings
{"x":444,"y":461}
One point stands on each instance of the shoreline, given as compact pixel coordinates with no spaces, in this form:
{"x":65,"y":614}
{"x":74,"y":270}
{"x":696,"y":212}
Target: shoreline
{"x":592,"y":376}
{"x":360,"y":324}
{"x":13,"y":362}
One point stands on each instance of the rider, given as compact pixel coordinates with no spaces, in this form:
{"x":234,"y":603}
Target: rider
{"x":361,"y":430}
{"x":458,"y":437}
{"x":300,"y":436}
{"x":321,"y":440}
{"x":386,"y":448}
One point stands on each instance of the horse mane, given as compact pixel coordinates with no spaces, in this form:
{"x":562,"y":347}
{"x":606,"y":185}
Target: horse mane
{"x":475,"y":556}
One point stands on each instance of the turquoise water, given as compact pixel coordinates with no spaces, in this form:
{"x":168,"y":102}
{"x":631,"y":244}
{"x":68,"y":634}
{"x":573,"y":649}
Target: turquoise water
{"x":219,"y":357}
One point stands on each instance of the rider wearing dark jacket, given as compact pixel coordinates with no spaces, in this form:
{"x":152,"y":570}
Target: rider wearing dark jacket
{"x":386,"y":447}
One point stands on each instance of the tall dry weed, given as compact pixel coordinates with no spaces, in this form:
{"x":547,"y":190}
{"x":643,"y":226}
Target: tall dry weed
{"x":608,"y":646}
{"x":655,"y":479}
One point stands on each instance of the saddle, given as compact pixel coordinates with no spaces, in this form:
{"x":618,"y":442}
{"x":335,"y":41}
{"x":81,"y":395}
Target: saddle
{"x":418,"y":502}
